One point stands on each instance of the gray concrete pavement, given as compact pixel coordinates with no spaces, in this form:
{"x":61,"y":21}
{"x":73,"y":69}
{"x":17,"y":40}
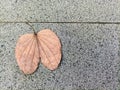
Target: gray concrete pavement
{"x":91,"y":52}
{"x":90,"y":58}
{"x":60,"y":10}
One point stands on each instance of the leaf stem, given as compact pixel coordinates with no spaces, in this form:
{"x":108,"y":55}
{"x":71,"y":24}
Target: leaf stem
{"x":31,"y":27}
{"x":28,"y":23}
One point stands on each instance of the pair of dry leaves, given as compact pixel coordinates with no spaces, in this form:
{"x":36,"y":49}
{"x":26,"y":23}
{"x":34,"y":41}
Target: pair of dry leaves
{"x":42,"y":47}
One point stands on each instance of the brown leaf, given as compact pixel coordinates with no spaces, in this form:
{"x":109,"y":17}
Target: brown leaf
{"x":50,"y":49}
{"x":31,"y":47}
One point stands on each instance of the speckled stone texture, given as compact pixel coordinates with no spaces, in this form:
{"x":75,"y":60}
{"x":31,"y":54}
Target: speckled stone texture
{"x":90,"y":52}
{"x":60,"y":10}
{"x":90,"y":58}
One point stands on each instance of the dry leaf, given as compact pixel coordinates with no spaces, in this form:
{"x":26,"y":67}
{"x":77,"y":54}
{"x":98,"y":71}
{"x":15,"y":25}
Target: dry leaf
{"x":43,"y":47}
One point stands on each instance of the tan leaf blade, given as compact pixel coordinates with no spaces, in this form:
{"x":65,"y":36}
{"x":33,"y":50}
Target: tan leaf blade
{"x":50,"y":48}
{"x":30,"y":47}
{"x":27,"y":53}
